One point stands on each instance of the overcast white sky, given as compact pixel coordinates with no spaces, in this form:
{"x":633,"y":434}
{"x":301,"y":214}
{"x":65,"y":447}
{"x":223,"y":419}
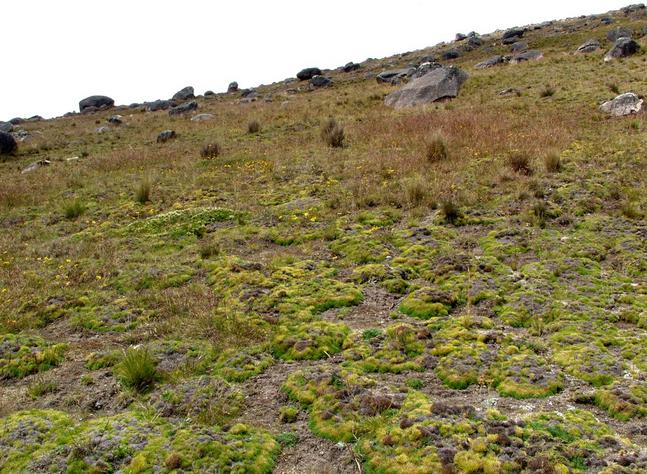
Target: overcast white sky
{"x":57,"y":52}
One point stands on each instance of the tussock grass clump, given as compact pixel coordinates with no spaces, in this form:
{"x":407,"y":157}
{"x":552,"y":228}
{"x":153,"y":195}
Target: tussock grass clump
{"x":520,"y":163}
{"x":547,"y":91}
{"x":143,"y":191}
{"x":613,"y":87}
{"x":211,"y":150}
{"x":450,"y":211}
{"x":253,"y":127}
{"x":415,"y":190}
{"x":209,"y":249}
{"x":553,"y":162}
{"x":73,"y":208}
{"x":333,"y":134}
{"x":137,"y":369}
{"x":40,"y":387}
{"x":436,"y":148}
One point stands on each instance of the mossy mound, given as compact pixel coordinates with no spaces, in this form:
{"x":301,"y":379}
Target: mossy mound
{"x":47,"y":441}
{"x":239,"y":365}
{"x":180,"y":222}
{"x":22,"y":355}
{"x":309,"y":341}
{"x":428,"y":302}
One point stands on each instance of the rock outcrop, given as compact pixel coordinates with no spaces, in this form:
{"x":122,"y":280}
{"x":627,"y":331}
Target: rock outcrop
{"x":441,"y":83}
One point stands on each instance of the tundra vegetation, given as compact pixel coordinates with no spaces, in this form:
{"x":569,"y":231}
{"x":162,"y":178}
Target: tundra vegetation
{"x":459,"y":287}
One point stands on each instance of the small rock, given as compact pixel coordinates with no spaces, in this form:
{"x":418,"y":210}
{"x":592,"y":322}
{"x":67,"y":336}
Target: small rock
{"x":514,"y":33}
{"x":474,"y":41}
{"x":248,"y":93}
{"x":202,"y":117}
{"x":116,"y":120}
{"x":394,"y":75}
{"x":519,"y":46}
{"x":233,"y":87}
{"x":620,"y":32}
{"x":183,"y":109}
{"x":185,"y":94}
{"x":158,"y":105}
{"x":589,"y":46}
{"x":607,"y":20}
{"x":451,"y":54}
{"x":165,"y":136}
{"x":622,"y":48}
{"x":460,"y":37}
{"x":625,"y":104}
{"x":350,"y":67}
{"x":95,"y":102}
{"x":102,"y":129}
{"x":532,"y":55}
{"x":490,"y":62}
{"x":320,"y":81}
{"x":510,"y":91}
{"x":308,"y":73}
{"x":7,"y":143}
{"x":209,"y":94}
{"x":34,"y":166}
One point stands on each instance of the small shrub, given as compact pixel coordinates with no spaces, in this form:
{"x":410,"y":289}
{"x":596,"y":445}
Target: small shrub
{"x":436,"y":149}
{"x":143,"y":191}
{"x":553,"y":162}
{"x":40,"y":387}
{"x":333,"y":134}
{"x":540,"y":213}
{"x":450,"y":211}
{"x":137,"y":369}
{"x":635,"y":125}
{"x":613,"y":87}
{"x":547,"y":91}
{"x":520,"y":163}
{"x":210,"y":150}
{"x":73,"y":209}
{"x":253,"y":127}
{"x":415,"y":191}
{"x":415,"y":384}
{"x":287,"y":440}
{"x":630,"y":211}
{"x":288,"y":414}
{"x":209,"y":250}
{"x":371,"y":333}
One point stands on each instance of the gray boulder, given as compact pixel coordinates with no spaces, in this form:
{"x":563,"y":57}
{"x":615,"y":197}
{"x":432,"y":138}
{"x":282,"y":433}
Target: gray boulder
{"x":460,"y":37}
{"x":36,"y":165}
{"x":625,"y":104}
{"x":622,"y":48}
{"x":474,"y":41}
{"x":95,"y":102}
{"x":183,"y":109}
{"x":425,"y":68}
{"x":158,"y":105}
{"x":165,"y":136}
{"x":209,"y":94}
{"x":491,"y":62}
{"x":519,"y":46}
{"x":589,"y":46}
{"x":441,"y":83}
{"x":620,"y":32}
{"x":607,"y":20}
{"x":6,"y":127}
{"x":394,"y":75}
{"x":532,"y":55}
{"x":16,"y":121}
{"x":514,"y":33}
{"x":308,"y":73}
{"x":116,"y":120}
{"x":451,"y":54}
{"x":202,"y":117}
{"x":7,"y":143}
{"x":320,"y":81}
{"x":350,"y":67}
{"x":185,"y":94}
{"x":233,"y":87}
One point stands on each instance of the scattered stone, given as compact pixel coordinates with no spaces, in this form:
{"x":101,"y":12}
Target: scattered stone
{"x":514,"y":33}
{"x":490,"y":62}
{"x":451,"y":54}
{"x":474,"y":42}
{"x":185,"y":94}
{"x":6,"y":127}
{"x":425,"y":68}
{"x":625,"y":104}
{"x":202,"y":117}
{"x":350,"y":67}
{"x":510,"y":91}
{"x":7,"y":143}
{"x":248,"y":93}
{"x":589,"y":46}
{"x":183,"y":109}
{"x":320,"y":81}
{"x":519,"y":46}
{"x":607,"y":20}
{"x":95,"y":102}
{"x":460,"y":37}
{"x":158,"y":105}
{"x":116,"y":120}
{"x":34,"y":166}
{"x":308,"y":73}
{"x":428,"y":59}
{"x":233,"y":87}
{"x":622,"y":48}
{"x":165,"y":136}
{"x":619,"y":32}
{"x":395,"y":75}
{"x":441,"y":83}
{"x":532,"y":55}
{"x":102,"y":129}
{"x":209,"y":94}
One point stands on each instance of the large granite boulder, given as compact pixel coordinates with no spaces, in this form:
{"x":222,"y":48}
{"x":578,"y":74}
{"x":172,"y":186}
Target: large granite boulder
{"x":441,"y":83}
{"x":620,"y":32}
{"x":625,"y":104}
{"x":95,"y":102}
{"x":622,"y":48}
{"x":589,"y":46}
{"x":308,"y":73}
{"x":185,"y":94}
{"x":183,"y":109}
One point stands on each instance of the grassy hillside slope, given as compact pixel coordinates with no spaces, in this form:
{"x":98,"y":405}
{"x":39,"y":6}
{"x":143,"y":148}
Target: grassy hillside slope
{"x":382,"y":307}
